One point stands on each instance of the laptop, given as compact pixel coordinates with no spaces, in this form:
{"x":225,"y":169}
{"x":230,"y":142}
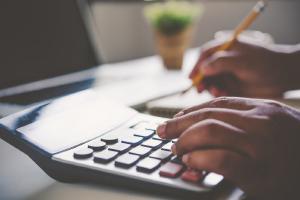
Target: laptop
{"x":42,"y":75}
{"x":43,"y":46}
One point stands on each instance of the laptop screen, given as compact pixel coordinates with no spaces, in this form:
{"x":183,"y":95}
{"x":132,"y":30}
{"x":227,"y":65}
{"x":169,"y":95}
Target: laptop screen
{"x":42,"y":39}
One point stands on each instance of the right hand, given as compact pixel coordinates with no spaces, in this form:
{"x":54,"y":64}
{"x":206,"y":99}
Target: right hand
{"x":247,"y":70}
{"x":253,"y":143}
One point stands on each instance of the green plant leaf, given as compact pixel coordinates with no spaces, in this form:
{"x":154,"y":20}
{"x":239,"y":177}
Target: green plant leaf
{"x":173,"y":16}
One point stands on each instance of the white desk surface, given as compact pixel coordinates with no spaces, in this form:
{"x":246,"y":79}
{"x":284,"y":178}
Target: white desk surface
{"x":21,"y":178}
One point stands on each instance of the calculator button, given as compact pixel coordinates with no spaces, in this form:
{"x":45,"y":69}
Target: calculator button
{"x":145,"y":126}
{"x":151,"y":126}
{"x":97,"y":145}
{"x":148,"y":165}
{"x":161,"y":155}
{"x":133,"y":140}
{"x":144,"y":133}
{"x":192,"y":175}
{"x":170,"y":170}
{"x":105,"y":156}
{"x":167,"y":147}
{"x":83,"y":153}
{"x":176,"y":159}
{"x":108,"y":139}
{"x":212,"y":179}
{"x":156,"y":137}
{"x":152,"y":143}
{"x":126,"y":160}
{"x":120,"y":147}
{"x":140,"y":151}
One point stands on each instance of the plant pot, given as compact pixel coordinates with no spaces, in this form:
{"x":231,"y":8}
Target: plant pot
{"x":171,"y":48}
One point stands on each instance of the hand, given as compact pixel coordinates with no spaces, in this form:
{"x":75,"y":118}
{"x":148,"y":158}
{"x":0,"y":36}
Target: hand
{"x":253,"y":143}
{"x":248,"y":70}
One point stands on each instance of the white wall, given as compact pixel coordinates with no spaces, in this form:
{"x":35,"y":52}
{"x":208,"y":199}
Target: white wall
{"x":124,"y":34}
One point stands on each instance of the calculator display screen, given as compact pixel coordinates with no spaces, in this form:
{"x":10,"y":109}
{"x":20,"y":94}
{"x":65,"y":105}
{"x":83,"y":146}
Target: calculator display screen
{"x":73,"y":120}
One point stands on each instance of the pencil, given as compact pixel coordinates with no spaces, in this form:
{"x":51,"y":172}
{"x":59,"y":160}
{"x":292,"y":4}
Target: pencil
{"x":246,"y":22}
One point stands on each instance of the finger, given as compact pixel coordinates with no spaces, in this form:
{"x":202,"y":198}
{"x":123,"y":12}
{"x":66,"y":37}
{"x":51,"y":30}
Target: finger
{"x":223,"y":85}
{"x":236,"y":103}
{"x":215,"y":91}
{"x":201,"y":87}
{"x":221,"y":62}
{"x":213,"y":134}
{"x":213,"y":85}
{"x":212,"y":47}
{"x":206,"y":51}
{"x":176,"y":126}
{"x":231,"y":165}
{"x":223,"y":93}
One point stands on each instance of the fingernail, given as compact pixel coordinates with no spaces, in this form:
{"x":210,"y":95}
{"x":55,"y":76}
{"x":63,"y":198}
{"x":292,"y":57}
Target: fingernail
{"x":185,"y":158}
{"x":161,"y":130}
{"x":179,"y":114}
{"x":200,"y":88}
{"x":173,"y":149}
{"x":214,"y":91}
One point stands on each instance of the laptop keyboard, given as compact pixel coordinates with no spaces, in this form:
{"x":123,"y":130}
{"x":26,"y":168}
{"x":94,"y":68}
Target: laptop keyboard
{"x":141,"y":151}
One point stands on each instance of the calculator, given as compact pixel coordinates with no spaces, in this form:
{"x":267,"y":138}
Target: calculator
{"x":85,"y":137}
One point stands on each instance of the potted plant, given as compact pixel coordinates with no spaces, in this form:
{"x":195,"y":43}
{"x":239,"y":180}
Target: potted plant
{"x":172,"y":22}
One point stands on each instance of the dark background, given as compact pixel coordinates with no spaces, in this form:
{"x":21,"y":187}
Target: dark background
{"x":41,"y":38}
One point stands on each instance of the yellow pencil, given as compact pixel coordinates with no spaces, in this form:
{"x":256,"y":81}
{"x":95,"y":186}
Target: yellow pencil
{"x":249,"y":19}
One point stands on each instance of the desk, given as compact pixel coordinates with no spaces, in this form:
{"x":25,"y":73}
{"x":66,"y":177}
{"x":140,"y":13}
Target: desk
{"x":21,"y":178}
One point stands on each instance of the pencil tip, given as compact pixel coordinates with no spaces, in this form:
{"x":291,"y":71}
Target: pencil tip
{"x":186,"y":90}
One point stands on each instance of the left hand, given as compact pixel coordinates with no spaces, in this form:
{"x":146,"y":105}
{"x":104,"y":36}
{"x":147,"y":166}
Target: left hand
{"x":253,"y":143}
{"x":248,"y":69}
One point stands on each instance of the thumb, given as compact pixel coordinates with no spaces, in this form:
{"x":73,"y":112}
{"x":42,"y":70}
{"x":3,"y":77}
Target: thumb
{"x":207,"y":50}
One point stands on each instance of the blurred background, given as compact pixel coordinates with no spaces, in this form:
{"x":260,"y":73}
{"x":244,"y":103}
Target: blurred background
{"x":40,"y":38}
{"x":123,"y":35}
